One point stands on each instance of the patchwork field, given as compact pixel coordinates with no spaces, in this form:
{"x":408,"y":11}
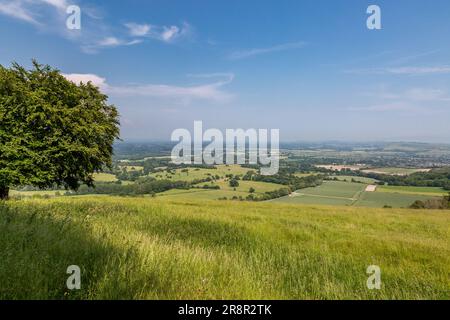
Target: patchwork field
{"x":396,"y":200}
{"x":330,"y":192}
{"x":225,"y":190}
{"x":190,"y":174}
{"x":354,"y":194}
{"x":155,"y":248}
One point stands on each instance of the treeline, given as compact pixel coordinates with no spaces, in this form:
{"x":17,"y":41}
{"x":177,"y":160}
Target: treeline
{"x":268,"y":195}
{"x":291,"y":181}
{"x":434,"y":178}
{"x":143,"y":186}
{"x":443,"y":203}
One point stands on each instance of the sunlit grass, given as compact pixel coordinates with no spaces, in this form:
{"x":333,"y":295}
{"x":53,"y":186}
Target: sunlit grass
{"x":154,"y":248}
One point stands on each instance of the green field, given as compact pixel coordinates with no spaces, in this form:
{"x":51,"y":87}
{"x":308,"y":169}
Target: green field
{"x":330,"y":193}
{"x":338,"y":193}
{"x":395,"y":200}
{"x":414,"y":190}
{"x":201,"y":173}
{"x":151,"y":248}
{"x":104,"y":177}
{"x":225,"y":190}
{"x":355,"y":178}
{"x":38,"y":193}
{"x":395,"y":171}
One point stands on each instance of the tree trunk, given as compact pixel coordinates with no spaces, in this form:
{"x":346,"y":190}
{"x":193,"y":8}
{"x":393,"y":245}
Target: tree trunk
{"x":4,"y":193}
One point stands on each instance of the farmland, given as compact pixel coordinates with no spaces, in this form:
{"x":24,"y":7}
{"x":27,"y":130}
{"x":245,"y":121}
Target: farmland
{"x":354,"y":194}
{"x":190,"y":174}
{"x":205,"y":239}
{"x":157,"y":248}
{"x":225,"y":190}
{"x":414,"y":190}
{"x":395,"y":171}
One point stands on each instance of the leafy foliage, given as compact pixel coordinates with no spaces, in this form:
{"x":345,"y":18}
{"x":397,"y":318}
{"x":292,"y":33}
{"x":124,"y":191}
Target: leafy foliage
{"x":52,"y":131}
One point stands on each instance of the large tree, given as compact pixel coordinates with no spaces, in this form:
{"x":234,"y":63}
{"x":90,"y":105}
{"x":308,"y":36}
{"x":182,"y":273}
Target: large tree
{"x":53,"y":132}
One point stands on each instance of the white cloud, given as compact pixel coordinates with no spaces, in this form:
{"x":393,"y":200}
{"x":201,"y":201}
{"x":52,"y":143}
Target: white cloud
{"x":49,"y":16}
{"x":85,"y":78}
{"x":242,"y":54}
{"x":108,"y":42}
{"x":15,"y":9}
{"x":162,"y":33}
{"x":25,"y":9}
{"x":169,"y":33}
{"x":138,"y":30}
{"x":60,"y":4}
{"x":212,"y":91}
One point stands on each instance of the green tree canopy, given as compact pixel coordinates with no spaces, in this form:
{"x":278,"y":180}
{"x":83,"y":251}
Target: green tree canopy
{"x":52,"y":131}
{"x":234,"y":183}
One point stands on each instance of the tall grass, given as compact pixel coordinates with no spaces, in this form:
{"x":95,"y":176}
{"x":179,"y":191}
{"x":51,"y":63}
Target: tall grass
{"x":166,"y":249}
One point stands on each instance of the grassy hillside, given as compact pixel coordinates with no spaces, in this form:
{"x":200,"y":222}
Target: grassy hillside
{"x":158,"y":248}
{"x":341,"y":193}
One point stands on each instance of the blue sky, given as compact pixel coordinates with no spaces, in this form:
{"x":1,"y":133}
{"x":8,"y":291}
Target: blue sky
{"x":309,"y":68}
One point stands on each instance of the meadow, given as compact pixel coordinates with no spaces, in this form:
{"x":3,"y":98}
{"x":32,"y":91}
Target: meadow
{"x":155,"y":248}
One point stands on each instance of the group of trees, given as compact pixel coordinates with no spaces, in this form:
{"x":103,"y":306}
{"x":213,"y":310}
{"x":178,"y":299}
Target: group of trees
{"x":285,"y":178}
{"x":141,"y":187}
{"x":443,"y":203}
{"x":434,"y":178}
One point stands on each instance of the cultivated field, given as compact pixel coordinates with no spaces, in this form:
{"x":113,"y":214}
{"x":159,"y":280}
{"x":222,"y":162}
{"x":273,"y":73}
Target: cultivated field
{"x":396,"y":171}
{"x":153,"y":248}
{"x":190,"y":174}
{"x":355,"y":178}
{"x":104,"y":177}
{"x":414,"y":190}
{"x":225,"y":190}
{"x":353,"y":194}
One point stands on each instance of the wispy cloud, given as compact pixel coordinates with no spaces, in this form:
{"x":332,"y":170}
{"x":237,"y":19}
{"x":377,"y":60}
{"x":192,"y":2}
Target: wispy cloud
{"x":15,"y":9}
{"x":28,"y":10}
{"x":210,"y":91}
{"x":403,"y":70}
{"x":162,"y":33}
{"x":95,"y":34}
{"x":108,"y":42}
{"x":412,"y":57}
{"x":138,"y":30}
{"x":416,"y":100}
{"x":243,"y":54}
{"x":387,"y":107}
{"x":417,"y":95}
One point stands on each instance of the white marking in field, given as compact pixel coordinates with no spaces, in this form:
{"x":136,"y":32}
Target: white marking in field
{"x":371,"y":188}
